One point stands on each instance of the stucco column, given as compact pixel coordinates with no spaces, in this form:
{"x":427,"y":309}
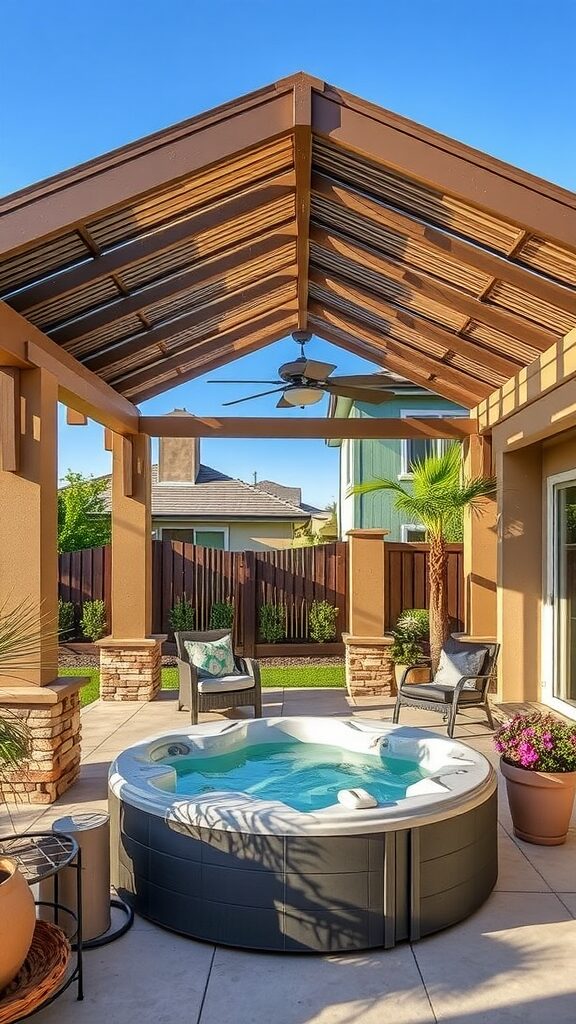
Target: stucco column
{"x":480,"y":545}
{"x":519,"y":570}
{"x":369,"y":671}
{"x":130,"y":657}
{"x":31,"y":691}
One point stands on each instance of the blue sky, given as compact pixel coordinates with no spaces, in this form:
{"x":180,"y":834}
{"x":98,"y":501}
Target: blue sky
{"x":80,"y":79}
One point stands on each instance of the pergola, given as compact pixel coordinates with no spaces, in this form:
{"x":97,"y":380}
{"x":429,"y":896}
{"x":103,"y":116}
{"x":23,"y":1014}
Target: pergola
{"x":296,"y":208}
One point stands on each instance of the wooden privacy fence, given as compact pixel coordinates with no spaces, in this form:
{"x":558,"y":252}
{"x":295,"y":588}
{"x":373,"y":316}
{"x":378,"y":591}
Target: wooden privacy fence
{"x":293,"y":577}
{"x":407,"y":584}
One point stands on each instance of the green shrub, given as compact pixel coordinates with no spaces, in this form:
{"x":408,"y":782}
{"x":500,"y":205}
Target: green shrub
{"x":66,"y":619}
{"x":272,"y":622}
{"x":322,"y":621}
{"x":414,"y":623}
{"x":182,"y":615}
{"x":222,"y":615}
{"x":93,"y":622}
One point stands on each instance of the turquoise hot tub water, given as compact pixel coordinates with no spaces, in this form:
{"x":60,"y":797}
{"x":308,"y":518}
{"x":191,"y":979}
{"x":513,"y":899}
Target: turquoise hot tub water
{"x":304,"y":776}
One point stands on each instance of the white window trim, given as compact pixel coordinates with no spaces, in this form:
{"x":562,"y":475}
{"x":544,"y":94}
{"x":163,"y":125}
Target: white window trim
{"x":405,"y":473}
{"x":405,"y":527}
{"x":215,"y":529}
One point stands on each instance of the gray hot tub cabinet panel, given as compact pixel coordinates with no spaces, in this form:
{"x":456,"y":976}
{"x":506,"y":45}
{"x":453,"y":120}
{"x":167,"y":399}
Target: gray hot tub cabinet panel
{"x":304,"y":893}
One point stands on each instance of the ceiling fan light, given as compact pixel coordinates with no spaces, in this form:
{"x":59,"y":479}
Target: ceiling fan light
{"x":303,"y":396}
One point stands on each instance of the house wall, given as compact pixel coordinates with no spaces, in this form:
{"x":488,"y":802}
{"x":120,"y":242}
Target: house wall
{"x":244,"y":536}
{"x":381,"y":458}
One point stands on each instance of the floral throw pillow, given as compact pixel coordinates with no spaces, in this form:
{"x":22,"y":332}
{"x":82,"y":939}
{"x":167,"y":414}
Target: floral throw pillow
{"x":212,"y":658}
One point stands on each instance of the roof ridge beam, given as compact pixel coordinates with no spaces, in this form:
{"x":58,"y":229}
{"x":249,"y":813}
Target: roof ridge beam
{"x":425,"y":284}
{"x":443,"y":242}
{"x":303,"y":169}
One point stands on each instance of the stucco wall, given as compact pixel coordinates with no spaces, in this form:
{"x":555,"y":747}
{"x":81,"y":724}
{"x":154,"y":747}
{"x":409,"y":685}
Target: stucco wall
{"x":245,"y":536}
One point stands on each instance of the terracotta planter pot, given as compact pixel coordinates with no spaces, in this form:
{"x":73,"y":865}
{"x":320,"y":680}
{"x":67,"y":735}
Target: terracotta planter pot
{"x":417,"y":675}
{"x":17,"y":920}
{"x":540,"y":803}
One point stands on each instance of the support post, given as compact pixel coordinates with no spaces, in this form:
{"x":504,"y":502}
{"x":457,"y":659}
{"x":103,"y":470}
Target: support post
{"x":130,"y":658}
{"x":369,"y":670}
{"x":480,"y":546}
{"x":48,"y":707}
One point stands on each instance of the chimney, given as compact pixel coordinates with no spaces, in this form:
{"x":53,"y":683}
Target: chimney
{"x":178,"y":457}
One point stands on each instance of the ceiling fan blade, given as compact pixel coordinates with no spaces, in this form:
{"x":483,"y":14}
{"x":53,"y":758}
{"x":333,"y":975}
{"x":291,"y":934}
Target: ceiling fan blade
{"x":243,"y":382}
{"x":372,"y":396}
{"x":363,"y":380}
{"x":315,"y":370}
{"x":283,"y":404}
{"x":250,"y":397}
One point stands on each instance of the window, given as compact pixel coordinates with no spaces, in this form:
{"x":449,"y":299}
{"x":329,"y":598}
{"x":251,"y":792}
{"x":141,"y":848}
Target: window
{"x":187,"y":536}
{"x":413,"y":533}
{"x":415,"y":449}
{"x":211,"y":539}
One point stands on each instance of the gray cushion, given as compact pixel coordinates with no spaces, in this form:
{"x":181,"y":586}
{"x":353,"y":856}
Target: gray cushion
{"x":225,"y":684}
{"x":457,"y":660}
{"x":439,"y":694}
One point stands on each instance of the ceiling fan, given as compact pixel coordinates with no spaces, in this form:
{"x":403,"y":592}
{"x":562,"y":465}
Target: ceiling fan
{"x":305,"y":381}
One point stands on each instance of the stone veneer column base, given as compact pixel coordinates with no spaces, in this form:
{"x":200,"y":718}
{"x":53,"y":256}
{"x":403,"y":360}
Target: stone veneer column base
{"x":51,"y":715}
{"x":130,"y":669}
{"x":369,"y":668}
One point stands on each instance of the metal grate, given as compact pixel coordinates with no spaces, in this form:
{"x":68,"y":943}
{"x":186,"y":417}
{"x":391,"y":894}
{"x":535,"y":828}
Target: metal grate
{"x":39,"y":855}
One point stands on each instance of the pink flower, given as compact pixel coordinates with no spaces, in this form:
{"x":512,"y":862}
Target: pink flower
{"x":527,"y":755}
{"x":547,"y":741}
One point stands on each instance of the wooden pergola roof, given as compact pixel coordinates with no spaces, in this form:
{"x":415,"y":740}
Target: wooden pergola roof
{"x":298,"y":207}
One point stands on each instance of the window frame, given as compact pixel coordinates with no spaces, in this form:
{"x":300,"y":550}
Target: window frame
{"x":224,"y":530}
{"x":405,"y":473}
{"x":405,"y":527}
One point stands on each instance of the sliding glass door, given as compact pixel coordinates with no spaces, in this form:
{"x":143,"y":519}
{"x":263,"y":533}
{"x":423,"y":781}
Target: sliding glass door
{"x":559,"y":639}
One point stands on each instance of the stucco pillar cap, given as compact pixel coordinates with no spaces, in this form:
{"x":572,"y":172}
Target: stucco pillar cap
{"x":372,"y":532}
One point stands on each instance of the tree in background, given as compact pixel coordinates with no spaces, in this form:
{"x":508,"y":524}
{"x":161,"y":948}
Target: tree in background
{"x":83,"y":521}
{"x":438,"y":498}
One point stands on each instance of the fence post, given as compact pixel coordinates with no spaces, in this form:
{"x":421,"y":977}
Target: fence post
{"x":249,"y":625}
{"x":369,"y":670}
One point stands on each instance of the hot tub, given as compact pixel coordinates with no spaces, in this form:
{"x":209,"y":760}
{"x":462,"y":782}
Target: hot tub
{"x":255,"y":834}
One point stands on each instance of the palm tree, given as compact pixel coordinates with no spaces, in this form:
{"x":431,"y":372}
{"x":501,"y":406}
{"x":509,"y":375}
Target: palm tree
{"x":437,"y":499}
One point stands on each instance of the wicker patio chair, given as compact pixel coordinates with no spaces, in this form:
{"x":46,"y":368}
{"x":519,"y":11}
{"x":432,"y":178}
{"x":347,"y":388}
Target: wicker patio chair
{"x":448,"y":700}
{"x":199,"y":695}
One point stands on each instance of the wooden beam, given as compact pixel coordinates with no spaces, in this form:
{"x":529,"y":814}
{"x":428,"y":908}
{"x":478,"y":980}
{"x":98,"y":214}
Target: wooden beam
{"x":303,"y":167}
{"x":446,"y":165}
{"x":108,"y":439}
{"x":103,"y":185}
{"x":9,"y":419}
{"x":423,"y":329}
{"x":127,"y":466}
{"x":156,"y":242}
{"x":23,"y":345}
{"x":75,"y":419}
{"x":351,"y":342}
{"x":109,"y":356}
{"x":418,"y":282}
{"x":454,"y":428}
{"x":400,"y":358}
{"x":443,"y":243}
{"x":215,"y":349}
{"x":179,"y":283}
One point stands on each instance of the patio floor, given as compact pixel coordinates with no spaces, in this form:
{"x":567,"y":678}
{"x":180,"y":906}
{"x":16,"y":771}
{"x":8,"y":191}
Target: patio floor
{"x":512,"y":961}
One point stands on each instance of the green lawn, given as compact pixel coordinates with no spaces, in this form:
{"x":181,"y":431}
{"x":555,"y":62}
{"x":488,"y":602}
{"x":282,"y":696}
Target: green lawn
{"x":293,"y":676}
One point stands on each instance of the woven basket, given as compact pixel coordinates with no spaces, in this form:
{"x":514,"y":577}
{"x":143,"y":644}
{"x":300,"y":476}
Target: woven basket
{"x":40,"y":976}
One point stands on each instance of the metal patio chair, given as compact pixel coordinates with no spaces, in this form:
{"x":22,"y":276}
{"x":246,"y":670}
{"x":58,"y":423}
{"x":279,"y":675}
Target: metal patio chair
{"x":242,"y":689}
{"x":449,"y":700}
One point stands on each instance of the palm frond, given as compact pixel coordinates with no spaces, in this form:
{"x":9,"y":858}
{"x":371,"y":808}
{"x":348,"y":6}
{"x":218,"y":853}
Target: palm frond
{"x":26,"y":635}
{"x":14,"y":740}
{"x":370,"y":486}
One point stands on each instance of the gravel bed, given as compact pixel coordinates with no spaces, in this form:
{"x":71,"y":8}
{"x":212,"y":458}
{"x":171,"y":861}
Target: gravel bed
{"x":69,"y":660}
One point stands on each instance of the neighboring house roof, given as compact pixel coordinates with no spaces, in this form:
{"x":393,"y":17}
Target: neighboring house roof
{"x":217,"y":496}
{"x":292,"y":495}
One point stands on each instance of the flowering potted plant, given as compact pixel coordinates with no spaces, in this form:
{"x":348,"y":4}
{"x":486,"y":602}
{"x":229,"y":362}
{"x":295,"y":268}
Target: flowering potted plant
{"x":538,"y":761}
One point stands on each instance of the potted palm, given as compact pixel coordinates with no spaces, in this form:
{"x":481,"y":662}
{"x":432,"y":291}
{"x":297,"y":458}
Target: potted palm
{"x":19,"y":637}
{"x":437,"y":498}
{"x":410,"y":644}
{"x":538,"y":760}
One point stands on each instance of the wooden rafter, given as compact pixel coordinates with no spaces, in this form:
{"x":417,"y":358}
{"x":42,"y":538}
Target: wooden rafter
{"x":422,"y":328}
{"x":418,"y":282}
{"x":228,"y":303}
{"x":444,"y":243}
{"x":201,"y":351}
{"x":198,"y":276}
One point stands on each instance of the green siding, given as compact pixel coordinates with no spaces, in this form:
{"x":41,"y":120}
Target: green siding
{"x":381,"y":458}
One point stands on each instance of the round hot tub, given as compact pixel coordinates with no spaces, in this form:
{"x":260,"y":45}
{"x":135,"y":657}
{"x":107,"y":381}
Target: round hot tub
{"x":303,"y":834}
